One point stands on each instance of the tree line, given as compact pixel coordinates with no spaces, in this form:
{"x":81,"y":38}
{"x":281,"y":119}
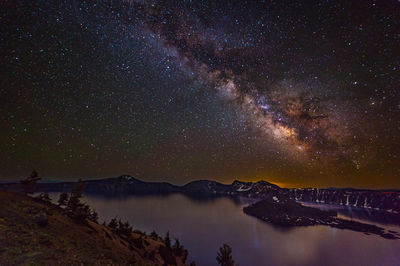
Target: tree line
{"x":71,"y":203}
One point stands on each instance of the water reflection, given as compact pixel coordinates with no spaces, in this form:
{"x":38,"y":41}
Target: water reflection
{"x":361,"y":214}
{"x":192,"y":197}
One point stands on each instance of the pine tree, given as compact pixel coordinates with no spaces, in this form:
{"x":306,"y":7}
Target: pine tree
{"x":167,"y":241}
{"x":154,"y":235}
{"x":179,"y":250}
{"x":177,"y":244}
{"x":224,"y":256}
{"x":94,"y":216}
{"x":28,"y":185}
{"x":78,"y":210}
{"x":77,"y":189}
{"x":76,"y":194}
{"x":63,"y":199}
{"x":113,"y":224}
{"x":124,"y":228}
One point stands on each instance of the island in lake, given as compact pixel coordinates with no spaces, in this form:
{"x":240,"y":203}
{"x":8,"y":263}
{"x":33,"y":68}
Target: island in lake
{"x":288,"y":213}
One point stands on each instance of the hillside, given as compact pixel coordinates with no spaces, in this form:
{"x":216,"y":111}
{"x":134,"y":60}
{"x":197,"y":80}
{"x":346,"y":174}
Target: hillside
{"x":39,"y":233}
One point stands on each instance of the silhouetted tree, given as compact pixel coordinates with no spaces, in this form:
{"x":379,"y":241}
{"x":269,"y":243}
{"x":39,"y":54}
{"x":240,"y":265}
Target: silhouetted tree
{"x":137,"y":242}
{"x":167,"y":241}
{"x":113,"y":224}
{"x":76,"y":194}
{"x":28,"y":185}
{"x":94,"y":216}
{"x":78,"y":210}
{"x":124,"y":228}
{"x":166,"y":255}
{"x":177,"y":244}
{"x":179,"y":250}
{"x":45,"y":197}
{"x":154,"y":235}
{"x":166,"y":251}
{"x":63,"y":199}
{"x":224,"y":256}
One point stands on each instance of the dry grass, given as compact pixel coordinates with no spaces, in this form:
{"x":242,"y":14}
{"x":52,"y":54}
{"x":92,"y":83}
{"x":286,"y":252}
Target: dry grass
{"x":62,"y":241}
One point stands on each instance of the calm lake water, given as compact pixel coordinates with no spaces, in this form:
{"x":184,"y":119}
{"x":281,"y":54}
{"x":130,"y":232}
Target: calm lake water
{"x":203,"y":225}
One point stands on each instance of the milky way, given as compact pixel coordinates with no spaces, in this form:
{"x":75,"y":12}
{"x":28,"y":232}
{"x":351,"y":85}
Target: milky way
{"x":302,"y":93}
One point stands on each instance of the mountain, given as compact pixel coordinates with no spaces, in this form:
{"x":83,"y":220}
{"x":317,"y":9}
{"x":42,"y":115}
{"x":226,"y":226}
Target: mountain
{"x":384,"y":200}
{"x":127,"y":185}
{"x":122,"y":185}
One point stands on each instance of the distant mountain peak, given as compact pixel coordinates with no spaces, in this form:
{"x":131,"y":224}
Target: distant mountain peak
{"x":260,"y":182}
{"x":127,"y":177}
{"x":263,"y":182}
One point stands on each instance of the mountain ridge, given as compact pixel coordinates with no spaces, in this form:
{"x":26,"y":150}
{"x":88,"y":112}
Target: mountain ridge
{"x":384,"y":200}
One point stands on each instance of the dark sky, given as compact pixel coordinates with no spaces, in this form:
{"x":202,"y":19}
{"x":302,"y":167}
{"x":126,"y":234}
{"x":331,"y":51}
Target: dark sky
{"x":300,"y":93}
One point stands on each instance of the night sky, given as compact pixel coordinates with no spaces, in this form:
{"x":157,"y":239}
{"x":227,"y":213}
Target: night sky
{"x":302,"y":93}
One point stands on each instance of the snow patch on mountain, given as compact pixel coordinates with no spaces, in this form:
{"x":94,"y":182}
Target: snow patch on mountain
{"x":243,"y":188}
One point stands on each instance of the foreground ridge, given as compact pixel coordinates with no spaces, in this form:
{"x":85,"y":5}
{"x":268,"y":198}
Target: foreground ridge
{"x":33,"y":231}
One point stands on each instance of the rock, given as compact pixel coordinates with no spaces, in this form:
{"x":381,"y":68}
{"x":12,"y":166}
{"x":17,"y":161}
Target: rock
{"x":41,"y":218}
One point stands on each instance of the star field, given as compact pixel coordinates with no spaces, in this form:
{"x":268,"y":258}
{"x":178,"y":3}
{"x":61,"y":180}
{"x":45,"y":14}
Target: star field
{"x":300,"y":93}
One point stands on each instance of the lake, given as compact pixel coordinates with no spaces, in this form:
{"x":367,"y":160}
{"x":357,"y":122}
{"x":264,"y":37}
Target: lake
{"x":204,"y":224}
